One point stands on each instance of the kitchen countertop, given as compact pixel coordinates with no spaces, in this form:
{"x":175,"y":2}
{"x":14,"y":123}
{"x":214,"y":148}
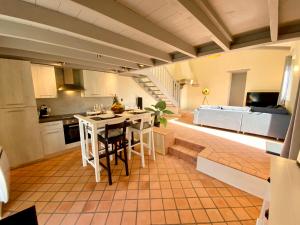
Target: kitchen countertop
{"x":58,"y":117}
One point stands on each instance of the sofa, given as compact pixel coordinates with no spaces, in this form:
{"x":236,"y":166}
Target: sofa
{"x":242,"y":119}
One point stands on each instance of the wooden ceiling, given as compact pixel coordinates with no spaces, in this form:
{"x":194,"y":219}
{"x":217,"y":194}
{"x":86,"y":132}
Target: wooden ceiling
{"x":126,"y":35}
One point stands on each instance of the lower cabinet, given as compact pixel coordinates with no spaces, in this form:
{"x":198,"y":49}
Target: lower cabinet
{"x":52,"y":134}
{"x":19,"y":135}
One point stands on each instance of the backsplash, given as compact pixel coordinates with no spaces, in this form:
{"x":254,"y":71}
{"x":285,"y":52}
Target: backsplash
{"x":70,"y":102}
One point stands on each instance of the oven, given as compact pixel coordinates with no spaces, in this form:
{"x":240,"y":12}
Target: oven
{"x":71,"y":130}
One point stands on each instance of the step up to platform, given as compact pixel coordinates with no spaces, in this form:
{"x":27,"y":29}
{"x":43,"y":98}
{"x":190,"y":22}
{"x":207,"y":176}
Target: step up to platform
{"x":185,"y":150}
{"x":207,"y":161}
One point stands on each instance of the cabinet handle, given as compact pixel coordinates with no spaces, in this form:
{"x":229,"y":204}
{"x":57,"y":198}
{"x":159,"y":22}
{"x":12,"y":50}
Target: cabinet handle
{"x":77,"y":125}
{"x":53,"y":132}
{"x":18,"y":110}
{"x":51,"y":125}
{"x":47,"y":95}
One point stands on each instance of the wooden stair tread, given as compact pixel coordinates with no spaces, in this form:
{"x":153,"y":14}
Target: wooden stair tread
{"x":185,"y":150}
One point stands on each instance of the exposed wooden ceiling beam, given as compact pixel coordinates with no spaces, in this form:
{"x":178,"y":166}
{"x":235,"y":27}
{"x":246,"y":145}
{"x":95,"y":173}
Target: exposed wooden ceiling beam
{"x":273,"y":17}
{"x":204,"y":4}
{"x":35,"y":57}
{"x":43,"y":16}
{"x":23,"y":31}
{"x":27,"y":45}
{"x":217,"y":36}
{"x":124,"y":15}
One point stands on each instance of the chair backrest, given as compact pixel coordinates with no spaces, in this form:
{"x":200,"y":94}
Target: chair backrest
{"x":146,"y":118}
{"x":121,"y":125}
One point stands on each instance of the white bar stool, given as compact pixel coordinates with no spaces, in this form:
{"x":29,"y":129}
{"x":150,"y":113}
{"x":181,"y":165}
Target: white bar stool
{"x":143,"y":126}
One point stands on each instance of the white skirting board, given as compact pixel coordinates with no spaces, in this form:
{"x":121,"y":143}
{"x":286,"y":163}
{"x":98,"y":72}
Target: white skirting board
{"x":251,"y":184}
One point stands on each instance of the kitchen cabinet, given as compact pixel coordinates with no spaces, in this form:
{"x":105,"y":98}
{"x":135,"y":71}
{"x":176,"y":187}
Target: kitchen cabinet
{"x":52,"y":134}
{"x":19,"y":135}
{"x":44,"y":81}
{"x":98,"y":84}
{"x":16,"y":88}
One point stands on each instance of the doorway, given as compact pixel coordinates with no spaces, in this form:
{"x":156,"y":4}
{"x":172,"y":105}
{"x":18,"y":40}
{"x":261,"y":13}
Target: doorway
{"x":237,"y":88}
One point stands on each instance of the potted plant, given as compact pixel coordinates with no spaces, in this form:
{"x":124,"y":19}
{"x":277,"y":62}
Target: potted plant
{"x":160,"y":111}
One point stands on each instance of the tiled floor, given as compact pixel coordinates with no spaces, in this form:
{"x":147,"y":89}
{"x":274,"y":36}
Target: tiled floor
{"x":166,"y":191}
{"x":230,"y":153}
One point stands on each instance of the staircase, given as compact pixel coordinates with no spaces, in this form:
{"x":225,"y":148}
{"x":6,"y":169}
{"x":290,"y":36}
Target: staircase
{"x":185,"y":150}
{"x":158,"y":82}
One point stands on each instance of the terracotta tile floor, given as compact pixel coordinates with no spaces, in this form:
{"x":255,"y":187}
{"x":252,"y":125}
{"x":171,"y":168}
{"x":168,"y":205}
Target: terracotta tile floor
{"x":233,"y":154}
{"x":166,"y":191}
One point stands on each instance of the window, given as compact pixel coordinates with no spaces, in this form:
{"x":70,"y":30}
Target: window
{"x":286,"y":81}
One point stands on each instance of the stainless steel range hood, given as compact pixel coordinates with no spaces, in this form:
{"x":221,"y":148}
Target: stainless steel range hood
{"x":69,"y":82}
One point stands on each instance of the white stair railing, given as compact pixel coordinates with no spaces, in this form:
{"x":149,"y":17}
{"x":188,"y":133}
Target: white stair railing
{"x":161,"y":77}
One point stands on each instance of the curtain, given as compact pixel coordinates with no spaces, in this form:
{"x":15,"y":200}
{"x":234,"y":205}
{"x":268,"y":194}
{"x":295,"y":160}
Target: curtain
{"x":285,"y":80}
{"x":291,"y":145}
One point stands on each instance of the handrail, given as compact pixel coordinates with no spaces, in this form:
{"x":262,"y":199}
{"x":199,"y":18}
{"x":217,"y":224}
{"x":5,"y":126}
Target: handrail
{"x":162,"y":78}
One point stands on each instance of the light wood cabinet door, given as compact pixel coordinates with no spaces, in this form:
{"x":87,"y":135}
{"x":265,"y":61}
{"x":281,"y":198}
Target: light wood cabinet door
{"x":52,"y":134}
{"x":44,"y":81}
{"x":98,"y":84}
{"x":19,"y":135}
{"x":16,"y":87}
{"x":111,"y":81}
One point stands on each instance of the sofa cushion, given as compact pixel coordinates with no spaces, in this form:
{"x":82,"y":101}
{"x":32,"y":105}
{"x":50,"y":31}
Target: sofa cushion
{"x":209,"y":107}
{"x":271,"y":110}
{"x":236,"y":108}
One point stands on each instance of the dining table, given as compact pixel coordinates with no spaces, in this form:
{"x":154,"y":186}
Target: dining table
{"x":91,"y":125}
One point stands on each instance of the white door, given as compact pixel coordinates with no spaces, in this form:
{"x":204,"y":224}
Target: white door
{"x":19,"y":135}
{"x":237,"y":89}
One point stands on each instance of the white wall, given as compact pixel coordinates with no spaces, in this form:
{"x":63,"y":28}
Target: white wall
{"x":265,"y":74}
{"x":129,"y":90}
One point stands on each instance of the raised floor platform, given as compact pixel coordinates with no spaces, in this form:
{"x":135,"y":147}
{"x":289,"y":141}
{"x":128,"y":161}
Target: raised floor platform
{"x":232,"y":162}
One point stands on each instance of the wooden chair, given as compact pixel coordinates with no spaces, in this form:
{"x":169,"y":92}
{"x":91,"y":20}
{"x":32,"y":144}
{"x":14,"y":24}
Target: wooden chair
{"x":141,"y":127}
{"x":114,"y":135}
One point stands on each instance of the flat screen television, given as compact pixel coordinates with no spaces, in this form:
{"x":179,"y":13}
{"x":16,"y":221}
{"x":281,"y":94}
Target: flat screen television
{"x":262,"y":99}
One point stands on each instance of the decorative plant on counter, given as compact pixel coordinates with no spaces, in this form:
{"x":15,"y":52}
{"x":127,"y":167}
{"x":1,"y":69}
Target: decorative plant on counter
{"x":117,"y":107}
{"x":160,"y":110}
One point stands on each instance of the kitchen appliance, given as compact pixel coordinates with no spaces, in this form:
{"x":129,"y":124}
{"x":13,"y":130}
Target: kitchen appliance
{"x":71,"y":129}
{"x":139,"y":102}
{"x":4,"y":178}
{"x":44,"y":111}
{"x":71,"y":81}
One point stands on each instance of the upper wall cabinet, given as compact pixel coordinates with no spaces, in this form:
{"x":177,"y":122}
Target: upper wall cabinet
{"x":98,"y":84}
{"x":16,"y":88}
{"x":44,"y":81}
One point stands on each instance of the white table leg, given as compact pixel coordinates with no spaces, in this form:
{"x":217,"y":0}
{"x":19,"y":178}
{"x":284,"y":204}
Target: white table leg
{"x":82,"y":143}
{"x":95,"y":150}
{"x":152,"y":144}
{"x":129,"y":144}
{"x":149,"y":145}
{"x":142,"y":149}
